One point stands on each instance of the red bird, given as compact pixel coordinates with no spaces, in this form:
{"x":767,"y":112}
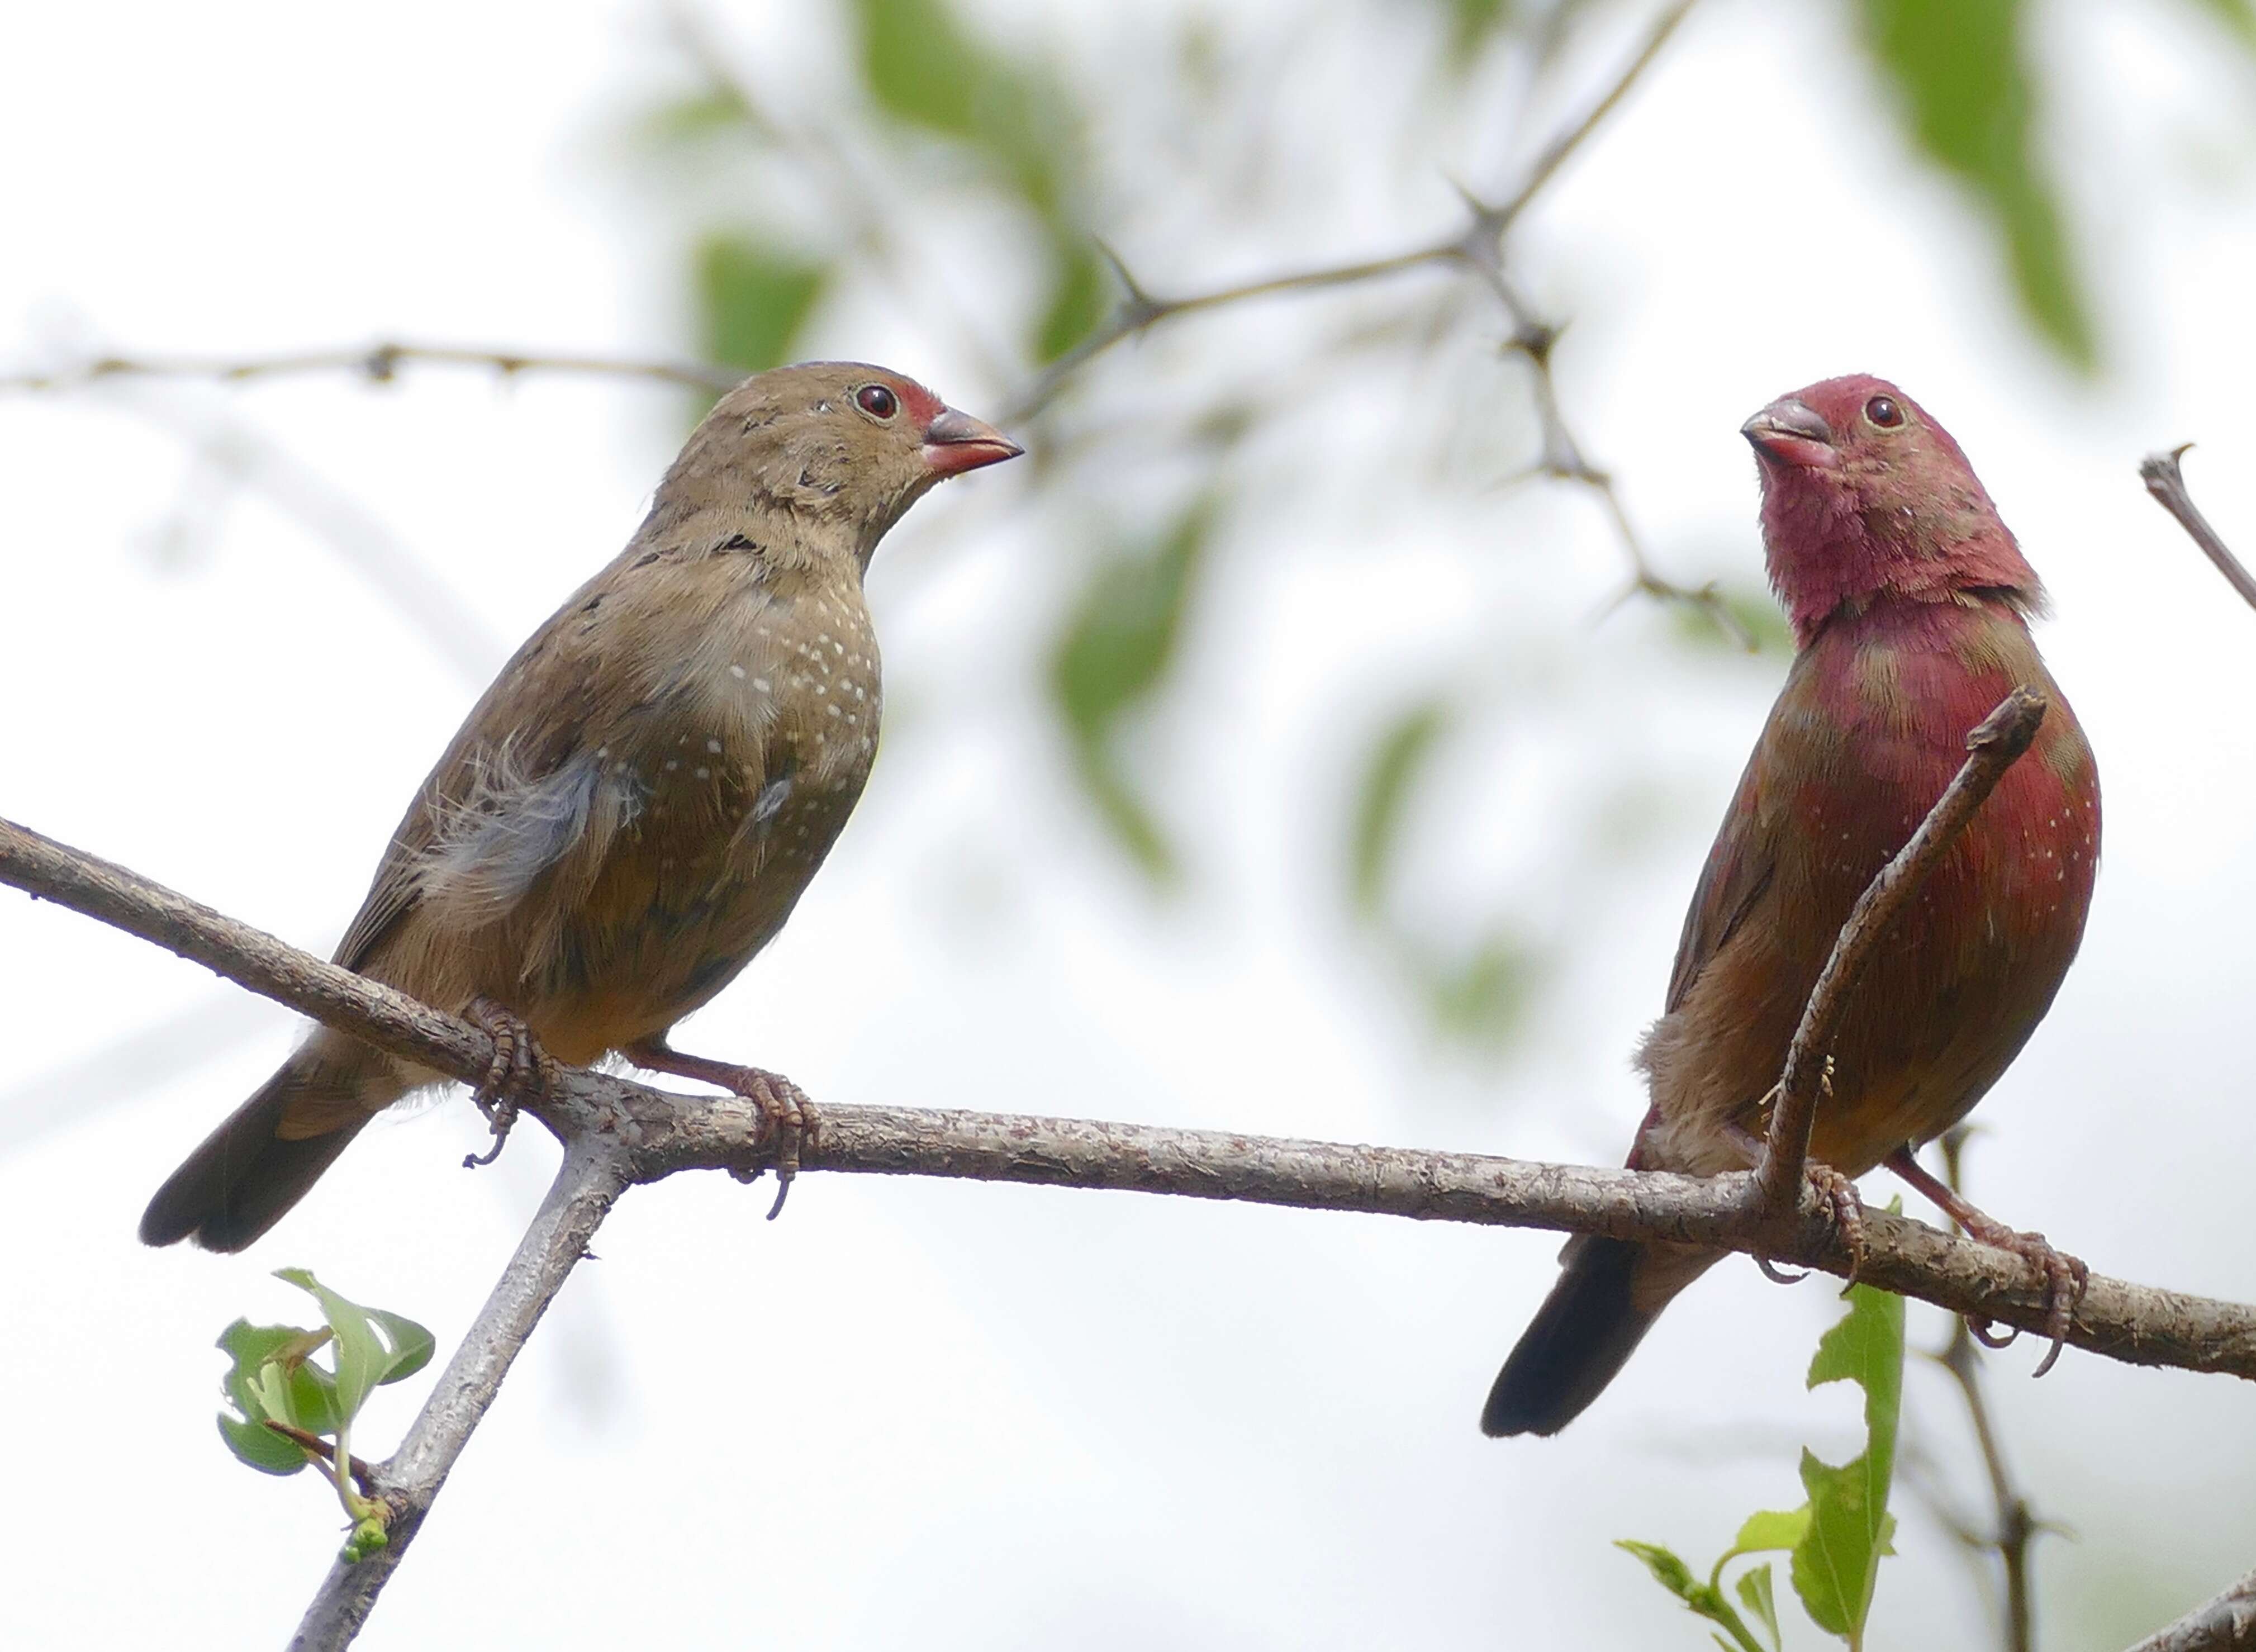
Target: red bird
{"x":1910,"y":604}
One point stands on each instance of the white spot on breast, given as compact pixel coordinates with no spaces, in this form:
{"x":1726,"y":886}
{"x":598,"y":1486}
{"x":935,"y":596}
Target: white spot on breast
{"x":714,"y":746}
{"x":762,"y":684}
{"x":737,"y":672}
{"x":704,"y":773}
{"x":672,"y":764}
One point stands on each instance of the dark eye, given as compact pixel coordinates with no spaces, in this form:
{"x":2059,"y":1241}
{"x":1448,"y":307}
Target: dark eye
{"x":877,"y":401}
{"x":1881,"y":410}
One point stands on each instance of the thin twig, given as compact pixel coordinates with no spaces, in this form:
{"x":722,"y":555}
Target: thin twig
{"x":2224,"y":1623}
{"x":665,"y":1133}
{"x":1992,"y":749}
{"x":378,"y":362}
{"x":2165,"y":479}
{"x":2016,"y":1522}
{"x":1477,"y":245}
{"x":364,"y":1476}
{"x":587,"y":1184}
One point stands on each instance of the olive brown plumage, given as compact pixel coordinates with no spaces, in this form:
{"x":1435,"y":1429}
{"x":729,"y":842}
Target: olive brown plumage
{"x":632,"y":809}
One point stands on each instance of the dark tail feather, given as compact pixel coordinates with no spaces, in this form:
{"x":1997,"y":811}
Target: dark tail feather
{"x":245,"y":1177}
{"x":1609,"y":1292}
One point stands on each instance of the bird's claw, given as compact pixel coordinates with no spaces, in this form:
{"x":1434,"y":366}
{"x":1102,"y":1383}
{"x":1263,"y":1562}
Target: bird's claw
{"x":518,"y":1073}
{"x":788,"y":1123}
{"x":1840,"y":1194}
{"x":2066,"y":1279}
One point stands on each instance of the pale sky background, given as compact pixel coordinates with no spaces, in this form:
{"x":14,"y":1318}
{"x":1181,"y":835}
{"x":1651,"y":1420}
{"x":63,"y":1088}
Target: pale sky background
{"x":967,"y":1415}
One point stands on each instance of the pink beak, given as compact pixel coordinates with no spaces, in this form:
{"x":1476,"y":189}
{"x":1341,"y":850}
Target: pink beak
{"x":955,"y":442}
{"x":1793,"y":433}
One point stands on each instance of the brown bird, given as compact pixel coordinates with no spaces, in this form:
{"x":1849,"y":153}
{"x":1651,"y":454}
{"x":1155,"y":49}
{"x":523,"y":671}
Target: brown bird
{"x":1910,"y":602}
{"x":634,"y":806}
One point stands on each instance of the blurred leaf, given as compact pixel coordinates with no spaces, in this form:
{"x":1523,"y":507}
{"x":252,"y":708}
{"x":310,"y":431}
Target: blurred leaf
{"x":1078,"y":300}
{"x":920,"y":64}
{"x":1471,"y":22}
{"x":1838,"y":1562}
{"x":718,"y":111}
{"x":1481,"y":999}
{"x":1704,"y":1598}
{"x":1396,"y":762}
{"x":1967,"y":100}
{"x":926,"y":69}
{"x":752,"y":300}
{"x":1118,"y":647}
{"x":2238,"y":16}
{"x":1758,"y":616}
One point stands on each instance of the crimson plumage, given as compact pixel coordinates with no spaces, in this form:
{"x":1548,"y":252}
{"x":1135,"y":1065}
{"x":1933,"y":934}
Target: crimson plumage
{"x":1909,"y":601}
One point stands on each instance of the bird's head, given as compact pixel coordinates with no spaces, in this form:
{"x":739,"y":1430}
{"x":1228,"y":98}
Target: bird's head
{"x":837,"y":450}
{"x":1866,"y":497}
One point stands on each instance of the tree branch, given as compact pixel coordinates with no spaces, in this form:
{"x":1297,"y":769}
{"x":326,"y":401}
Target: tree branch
{"x":591,"y":1178}
{"x":2017,"y":1521}
{"x":1992,"y":749}
{"x":379,"y":363}
{"x":2165,"y":479}
{"x":618,"y":1133}
{"x":662,"y":1133}
{"x":2225,"y":1624}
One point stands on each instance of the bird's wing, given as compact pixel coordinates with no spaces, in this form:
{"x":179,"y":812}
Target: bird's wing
{"x":1741,"y":865}
{"x":517,"y":766}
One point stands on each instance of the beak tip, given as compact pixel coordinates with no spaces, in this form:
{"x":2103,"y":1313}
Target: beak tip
{"x":956,"y":442}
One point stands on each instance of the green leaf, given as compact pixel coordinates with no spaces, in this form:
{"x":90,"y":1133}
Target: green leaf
{"x":1769,"y":1530}
{"x":1967,"y":100}
{"x":1836,"y":1562}
{"x":1756,"y":1591}
{"x":1703,"y":1598}
{"x":752,"y":300}
{"x":268,"y":1376}
{"x":373,"y":1347}
{"x":1396,"y":762}
{"x":1118,"y":645}
{"x":1670,"y":1572}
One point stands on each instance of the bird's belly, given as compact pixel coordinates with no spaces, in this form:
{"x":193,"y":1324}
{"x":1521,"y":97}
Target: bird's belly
{"x":1945,"y":1003}
{"x":684,"y":900}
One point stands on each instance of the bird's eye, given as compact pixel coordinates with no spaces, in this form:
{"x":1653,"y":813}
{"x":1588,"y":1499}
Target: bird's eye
{"x":877,"y":401}
{"x":1883,"y":412}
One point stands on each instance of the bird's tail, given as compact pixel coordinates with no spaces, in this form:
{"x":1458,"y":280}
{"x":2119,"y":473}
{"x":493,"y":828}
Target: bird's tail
{"x":272,"y":1149}
{"x":1609,"y":1292}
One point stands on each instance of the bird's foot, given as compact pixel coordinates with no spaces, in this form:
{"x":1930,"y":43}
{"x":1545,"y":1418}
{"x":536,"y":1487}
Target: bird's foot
{"x":518,"y":1074}
{"x":789,"y":1122}
{"x":1837,"y":1190}
{"x":2066,"y":1277}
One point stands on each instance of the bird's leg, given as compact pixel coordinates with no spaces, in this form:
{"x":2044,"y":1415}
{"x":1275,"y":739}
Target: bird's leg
{"x":518,"y":1074}
{"x":1839,"y":1192}
{"x":2066,"y":1276}
{"x":788,"y":1118}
